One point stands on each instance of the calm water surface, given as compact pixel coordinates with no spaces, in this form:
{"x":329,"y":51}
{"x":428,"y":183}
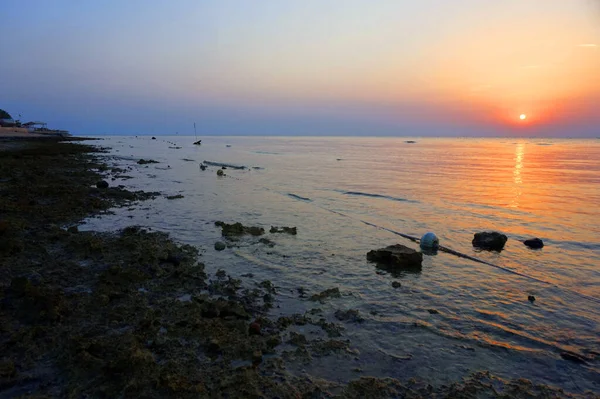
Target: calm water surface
{"x":329,"y":188}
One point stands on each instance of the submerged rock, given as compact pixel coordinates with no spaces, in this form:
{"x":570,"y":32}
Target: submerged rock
{"x":397,"y":256}
{"x":220,"y":245}
{"x":146,"y":161}
{"x":534,"y":243}
{"x":489,"y":240}
{"x":172,"y":197}
{"x":289,"y":230}
{"x":396,"y":284}
{"x":573,"y":357}
{"x":329,"y":293}
{"x":352,"y":315}
{"x":238,"y":229}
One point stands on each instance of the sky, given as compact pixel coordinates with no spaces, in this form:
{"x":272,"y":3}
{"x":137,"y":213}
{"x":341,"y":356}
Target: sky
{"x":305,"y":67}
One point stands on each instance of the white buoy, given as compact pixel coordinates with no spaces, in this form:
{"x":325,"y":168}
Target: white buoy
{"x":429,"y":241}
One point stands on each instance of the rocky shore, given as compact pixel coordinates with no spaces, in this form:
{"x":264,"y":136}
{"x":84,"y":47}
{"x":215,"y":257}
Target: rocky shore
{"x":133,"y":313}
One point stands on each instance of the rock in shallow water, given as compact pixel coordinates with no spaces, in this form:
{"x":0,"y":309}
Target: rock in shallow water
{"x":534,"y":243}
{"x":102,"y":184}
{"x":220,"y":245}
{"x":397,"y":256}
{"x":489,"y":240}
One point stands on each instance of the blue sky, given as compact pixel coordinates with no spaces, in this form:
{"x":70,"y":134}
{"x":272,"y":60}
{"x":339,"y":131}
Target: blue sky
{"x":329,"y":67}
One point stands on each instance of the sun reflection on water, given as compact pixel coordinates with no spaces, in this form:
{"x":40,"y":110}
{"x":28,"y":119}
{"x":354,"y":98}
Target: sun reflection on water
{"x":517,"y":178}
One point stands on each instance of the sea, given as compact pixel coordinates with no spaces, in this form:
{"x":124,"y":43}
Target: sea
{"x":348,"y":195}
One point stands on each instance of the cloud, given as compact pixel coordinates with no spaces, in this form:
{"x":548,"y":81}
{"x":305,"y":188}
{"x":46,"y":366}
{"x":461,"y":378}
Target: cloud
{"x":590,"y":45}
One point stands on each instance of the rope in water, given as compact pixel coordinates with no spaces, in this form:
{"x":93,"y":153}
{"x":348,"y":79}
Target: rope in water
{"x":445,"y":249}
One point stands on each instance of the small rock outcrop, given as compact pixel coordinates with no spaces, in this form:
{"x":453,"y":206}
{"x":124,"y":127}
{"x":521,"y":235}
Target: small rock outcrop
{"x":146,"y":161}
{"x":220,"y":172}
{"x":534,"y":243}
{"x":289,"y":230}
{"x":220,"y":245}
{"x":238,"y":229}
{"x":490,"y":240}
{"x":397,"y":256}
{"x":102,"y":184}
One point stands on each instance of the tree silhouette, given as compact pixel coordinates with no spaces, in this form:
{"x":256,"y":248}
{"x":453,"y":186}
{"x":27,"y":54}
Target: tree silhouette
{"x":4,"y":114}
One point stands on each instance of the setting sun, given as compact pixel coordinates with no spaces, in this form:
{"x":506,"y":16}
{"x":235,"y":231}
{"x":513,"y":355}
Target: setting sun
{"x":522,"y":117}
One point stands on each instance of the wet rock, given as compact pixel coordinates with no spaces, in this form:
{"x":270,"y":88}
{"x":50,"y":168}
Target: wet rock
{"x":220,"y":245}
{"x":267,"y":242}
{"x":73,"y":230}
{"x":433,"y":311}
{"x":202,"y":167}
{"x":153,"y":138}
{"x":102,"y":184}
{"x":397,"y":256}
{"x":352,"y":315}
{"x":573,"y":357}
{"x":172,"y":197}
{"x":267,"y":285}
{"x":220,"y":172}
{"x":531,"y":298}
{"x":534,"y":243}
{"x":396,"y":284}
{"x":490,"y":240}
{"x":238,"y":229}
{"x":329,"y":293}
{"x":288,"y":230}
{"x":254,"y":328}
{"x":146,"y":161}
{"x":297,"y":339}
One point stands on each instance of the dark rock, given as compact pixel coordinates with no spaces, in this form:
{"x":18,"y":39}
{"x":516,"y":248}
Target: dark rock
{"x":397,"y":256}
{"x":220,"y":245}
{"x":432,"y":311}
{"x":146,"y":161}
{"x":352,"y":315}
{"x":172,"y":197}
{"x":238,"y":229}
{"x":153,"y":138}
{"x":297,"y":339}
{"x":73,"y":230}
{"x":489,"y":240}
{"x":330,"y":293}
{"x":254,"y":328}
{"x":396,"y":284}
{"x":531,"y":298}
{"x":289,"y":230}
{"x":202,"y":167}
{"x":220,"y":172}
{"x":173,"y":259}
{"x":267,"y":242}
{"x":573,"y":357}
{"x":102,"y":184}
{"x":534,"y":243}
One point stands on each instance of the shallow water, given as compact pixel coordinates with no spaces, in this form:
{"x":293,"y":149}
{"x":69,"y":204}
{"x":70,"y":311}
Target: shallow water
{"x":338,"y":190}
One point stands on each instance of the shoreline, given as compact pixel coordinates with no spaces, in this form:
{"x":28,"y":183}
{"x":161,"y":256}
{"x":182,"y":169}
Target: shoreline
{"x":132,"y":313}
